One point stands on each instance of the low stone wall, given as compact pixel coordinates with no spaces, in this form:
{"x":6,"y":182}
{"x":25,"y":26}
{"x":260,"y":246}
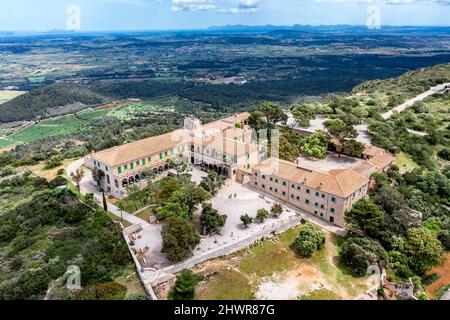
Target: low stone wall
{"x":167,"y":273}
{"x":139,"y":270}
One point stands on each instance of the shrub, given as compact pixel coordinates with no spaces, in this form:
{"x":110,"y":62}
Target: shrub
{"x":262,"y":215}
{"x":309,"y":240}
{"x":184,"y":288}
{"x":246,"y":220}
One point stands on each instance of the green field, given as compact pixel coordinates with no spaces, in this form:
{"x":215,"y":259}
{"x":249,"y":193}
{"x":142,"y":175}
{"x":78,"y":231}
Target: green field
{"x":6,"y":95}
{"x":131,"y":111}
{"x":52,"y":127}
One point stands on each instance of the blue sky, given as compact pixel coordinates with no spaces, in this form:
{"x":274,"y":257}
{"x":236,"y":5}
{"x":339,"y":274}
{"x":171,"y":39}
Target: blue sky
{"x":105,"y":15}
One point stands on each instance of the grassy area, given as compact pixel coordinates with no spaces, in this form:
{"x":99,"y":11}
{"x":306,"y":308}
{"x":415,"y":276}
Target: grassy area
{"x":49,"y":174}
{"x":125,"y":223}
{"x":131,"y":281}
{"x":52,"y":127}
{"x":321,"y":294}
{"x":405,"y":163}
{"x":273,"y":264}
{"x":229,"y":285}
{"x":145,"y":215}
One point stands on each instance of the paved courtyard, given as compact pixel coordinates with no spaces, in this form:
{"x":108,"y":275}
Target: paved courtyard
{"x":331,"y":162}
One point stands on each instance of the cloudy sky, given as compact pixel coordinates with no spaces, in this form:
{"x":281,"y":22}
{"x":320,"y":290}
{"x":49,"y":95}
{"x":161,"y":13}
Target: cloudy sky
{"x":192,"y":14}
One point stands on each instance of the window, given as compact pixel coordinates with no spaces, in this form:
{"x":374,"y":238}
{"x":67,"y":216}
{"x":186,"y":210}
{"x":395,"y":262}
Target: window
{"x":317,"y":194}
{"x":264,"y":177}
{"x":256,"y":174}
{"x":270,"y":188}
{"x":166,"y":154}
{"x":160,"y":156}
{"x":256,"y":183}
{"x":119,"y":170}
{"x":315,"y":212}
{"x":276,"y":190}
{"x":138,"y":163}
{"x":307,"y":201}
{"x":292,"y":196}
{"x":307,"y":191}
{"x":322,"y":206}
{"x":293,"y":186}
{"x":271,"y":179}
{"x":132,"y":166}
{"x":108,"y":180}
{"x":332,"y":219}
{"x":333,"y":199}
{"x":284,"y":193}
{"x":106,"y":168}
{"x":323,"y":196}
{"x":298,"y":188}
{"x":321,"y":214}
{"x":149,"y":159}
{"x":284,"y":183}
{"x":172,"y":152}
{"x":316,"y":204}
{"x":125,"y":167}
{"x":263,"y":186}
{"x":143,"y":162}
{"x":276,"y":180}
{"x":333,"y":210}
{"x":298,"y":198}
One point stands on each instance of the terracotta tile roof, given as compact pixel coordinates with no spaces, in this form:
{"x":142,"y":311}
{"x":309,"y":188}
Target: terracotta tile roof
{"x":141,"y":149}
{"x":372,"y":151}
{"x":342,"y":182}
{"x":381,"y":161}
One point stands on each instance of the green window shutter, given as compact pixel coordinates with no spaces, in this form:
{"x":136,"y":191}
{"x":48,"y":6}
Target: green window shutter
{"x":172,"y":152}
{"x":166,"y":154}
{"x":333,"y":210}
{"x":125,"y":167}
{"x":333,"y":199}
{"x":307,"y":191}
{"x":143,"y":162}
{"x":119,"y":170}
{"x":160,"y":156}
{"x":284,"y":183}
{"x":149,"y":159}
{"x":284,"y":193}
{"x":307,"y":201}
{"x":132,"y":165}
{"x":137,"y":163}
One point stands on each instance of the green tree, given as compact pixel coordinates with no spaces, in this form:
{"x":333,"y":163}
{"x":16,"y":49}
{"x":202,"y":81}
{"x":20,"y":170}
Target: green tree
{"x":211,"y":220}
{"x":303,"y":114}
{"x":184,"y":288}
{"x":364,"y":215}
{"x":179,"y":238}
{"x":340,"y":129}
{"x":134,"y":194}
{"x":316,"y":145}
{"x":246,"y":220}
{"x":423,"y":249}
{"x":262,"y":215}
{"x":273,"y":113}
{"x":276,"y":210}
{"x":212,"y":183}
{"x":97,"y":175}
{"x":190,"y":197}
{"x":105,"y":203}
{"x":353,"y":148}
{"x":309,"y":240}
{"x":77,"y":176}
{"x":360,"y":253}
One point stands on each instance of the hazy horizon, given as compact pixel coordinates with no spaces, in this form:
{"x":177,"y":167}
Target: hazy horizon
{"x":167,"y":15}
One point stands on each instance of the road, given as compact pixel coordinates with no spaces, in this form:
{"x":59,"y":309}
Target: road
{"x":411,"y":102}
{"x":87,"y":185}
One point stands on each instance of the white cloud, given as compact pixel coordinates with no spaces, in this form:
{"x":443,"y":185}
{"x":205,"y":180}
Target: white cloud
{"x":221,"y":6}
{"x":389,"y":2}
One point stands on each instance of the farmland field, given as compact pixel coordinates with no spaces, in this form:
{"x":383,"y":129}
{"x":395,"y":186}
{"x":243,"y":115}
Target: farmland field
{"x":6,"y":95}
{"x":52,"y":127}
